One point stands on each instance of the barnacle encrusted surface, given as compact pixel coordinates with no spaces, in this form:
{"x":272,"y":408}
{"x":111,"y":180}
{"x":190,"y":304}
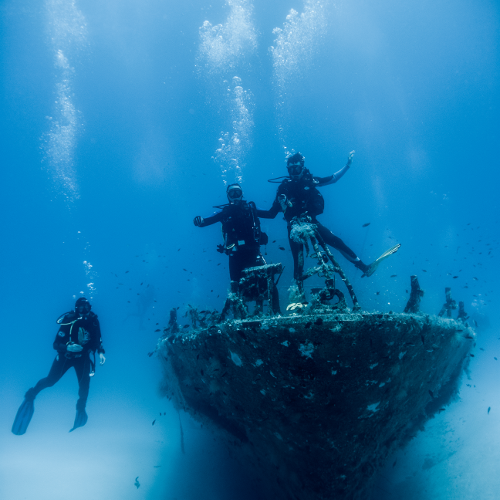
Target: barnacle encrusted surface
{"x":315,"y":403}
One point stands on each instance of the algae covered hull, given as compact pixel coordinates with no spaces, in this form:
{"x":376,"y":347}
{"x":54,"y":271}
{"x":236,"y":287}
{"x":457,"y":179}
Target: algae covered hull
{"x":316,"y":403}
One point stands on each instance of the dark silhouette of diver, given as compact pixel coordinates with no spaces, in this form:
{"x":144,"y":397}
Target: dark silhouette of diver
{"x":242,"y":234}
{"x":298,"y":195}
{"x":79,"y":335}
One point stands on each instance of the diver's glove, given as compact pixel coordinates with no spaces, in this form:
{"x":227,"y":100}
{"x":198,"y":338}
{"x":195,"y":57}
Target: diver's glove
{"x":284,"y":202}
{"x":198,"y":221}
{"x":102,"y":358}
{"x":349,"y":160}
{"x":74,"y":348}
{"x":221,"y":248}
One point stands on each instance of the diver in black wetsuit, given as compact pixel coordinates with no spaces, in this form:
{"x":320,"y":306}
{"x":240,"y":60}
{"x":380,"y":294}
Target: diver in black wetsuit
{"x":242,"y":234}
{"x":79,"y":335}
{"x":298,"y":195}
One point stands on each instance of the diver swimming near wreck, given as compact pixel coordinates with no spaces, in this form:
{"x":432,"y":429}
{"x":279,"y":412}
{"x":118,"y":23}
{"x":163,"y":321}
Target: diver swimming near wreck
{"x":298,"y":196}
{"x":242,"y":234}
{"x":78,"y":336}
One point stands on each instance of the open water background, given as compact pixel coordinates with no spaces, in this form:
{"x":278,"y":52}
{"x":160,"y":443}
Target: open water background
{"x":122,"y":120}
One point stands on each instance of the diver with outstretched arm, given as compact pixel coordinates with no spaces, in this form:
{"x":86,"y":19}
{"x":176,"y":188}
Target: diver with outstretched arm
{"x":242,"y":235}
{"x":78,"y":336}
{"x":298,"y":195}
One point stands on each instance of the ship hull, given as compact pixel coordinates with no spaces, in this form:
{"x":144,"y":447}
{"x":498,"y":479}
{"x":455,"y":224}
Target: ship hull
{"x":315,"y":404}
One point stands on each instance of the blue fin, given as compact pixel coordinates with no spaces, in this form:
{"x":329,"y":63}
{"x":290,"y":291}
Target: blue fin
{"x":23,"y":417}
{"x":80,"y":419}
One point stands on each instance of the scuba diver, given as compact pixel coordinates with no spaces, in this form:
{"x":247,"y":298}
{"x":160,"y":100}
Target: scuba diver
{"x":242,"y":234}
{"x":79,"y":335}
{"x":297,"y":195}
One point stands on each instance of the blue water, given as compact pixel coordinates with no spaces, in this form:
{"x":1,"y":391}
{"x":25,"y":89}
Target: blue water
{"x":122,"y":120}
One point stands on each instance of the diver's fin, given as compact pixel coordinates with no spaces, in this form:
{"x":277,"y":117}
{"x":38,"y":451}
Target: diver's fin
{"x":373,"y":266}
{"x":23,"y":417}
{"x":80,"y":419}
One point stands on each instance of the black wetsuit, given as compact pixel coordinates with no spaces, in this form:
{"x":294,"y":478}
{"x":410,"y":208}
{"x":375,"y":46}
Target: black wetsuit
{"x":84,"y":331}
{"x":242,"y":236}
{"x":304,"y":198}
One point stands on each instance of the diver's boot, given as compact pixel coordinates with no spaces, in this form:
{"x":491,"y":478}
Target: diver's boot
{"x":30,"y":394}
{"x":80,"y":419}
{"x":364,"y":268}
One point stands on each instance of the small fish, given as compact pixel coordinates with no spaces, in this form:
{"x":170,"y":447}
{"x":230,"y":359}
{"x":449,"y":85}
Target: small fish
{"x":126,"y":272}
{"x":366,"y":224}
{"x":475,"y":279}
{"x":431,"y":393}
{"x":137,"y":484}
{"x":455,"y":277}
{"x":281,"y":248}
{"x":423,"y":270}
{"x":489,"y":408}
{"x":274,"y":241}
{"x":472,"y":356}
{"x":184,"y":269}
{"x":154,"y":422}
{"x":393,"y":275}
{"x":441,"y":409}
{"x":377,"y":293}
{"x":495,"y":359}
{"x":158,"y":330}
{"x":185,"y":326}
{"x":481,"y":349}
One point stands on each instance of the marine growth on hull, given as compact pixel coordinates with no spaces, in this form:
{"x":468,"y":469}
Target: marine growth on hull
{"x":313,"y":401}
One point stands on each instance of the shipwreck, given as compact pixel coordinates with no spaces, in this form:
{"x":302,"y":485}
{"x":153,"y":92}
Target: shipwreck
{"x":313,"y":402}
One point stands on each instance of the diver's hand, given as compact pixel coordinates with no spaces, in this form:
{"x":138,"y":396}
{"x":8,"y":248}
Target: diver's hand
{"x":349,"y":160}
{"x":102,"y":358}
{"x":74,"y":347}
{"x":198,"y":221}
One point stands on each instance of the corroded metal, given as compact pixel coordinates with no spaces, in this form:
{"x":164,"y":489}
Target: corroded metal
{"x":449,"y":305}
{"x":305,"y":232}
{"x":416,"y":294}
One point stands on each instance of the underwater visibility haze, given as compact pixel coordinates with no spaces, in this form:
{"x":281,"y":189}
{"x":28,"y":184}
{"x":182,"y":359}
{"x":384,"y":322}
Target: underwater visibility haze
{"x":123,"y":120}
